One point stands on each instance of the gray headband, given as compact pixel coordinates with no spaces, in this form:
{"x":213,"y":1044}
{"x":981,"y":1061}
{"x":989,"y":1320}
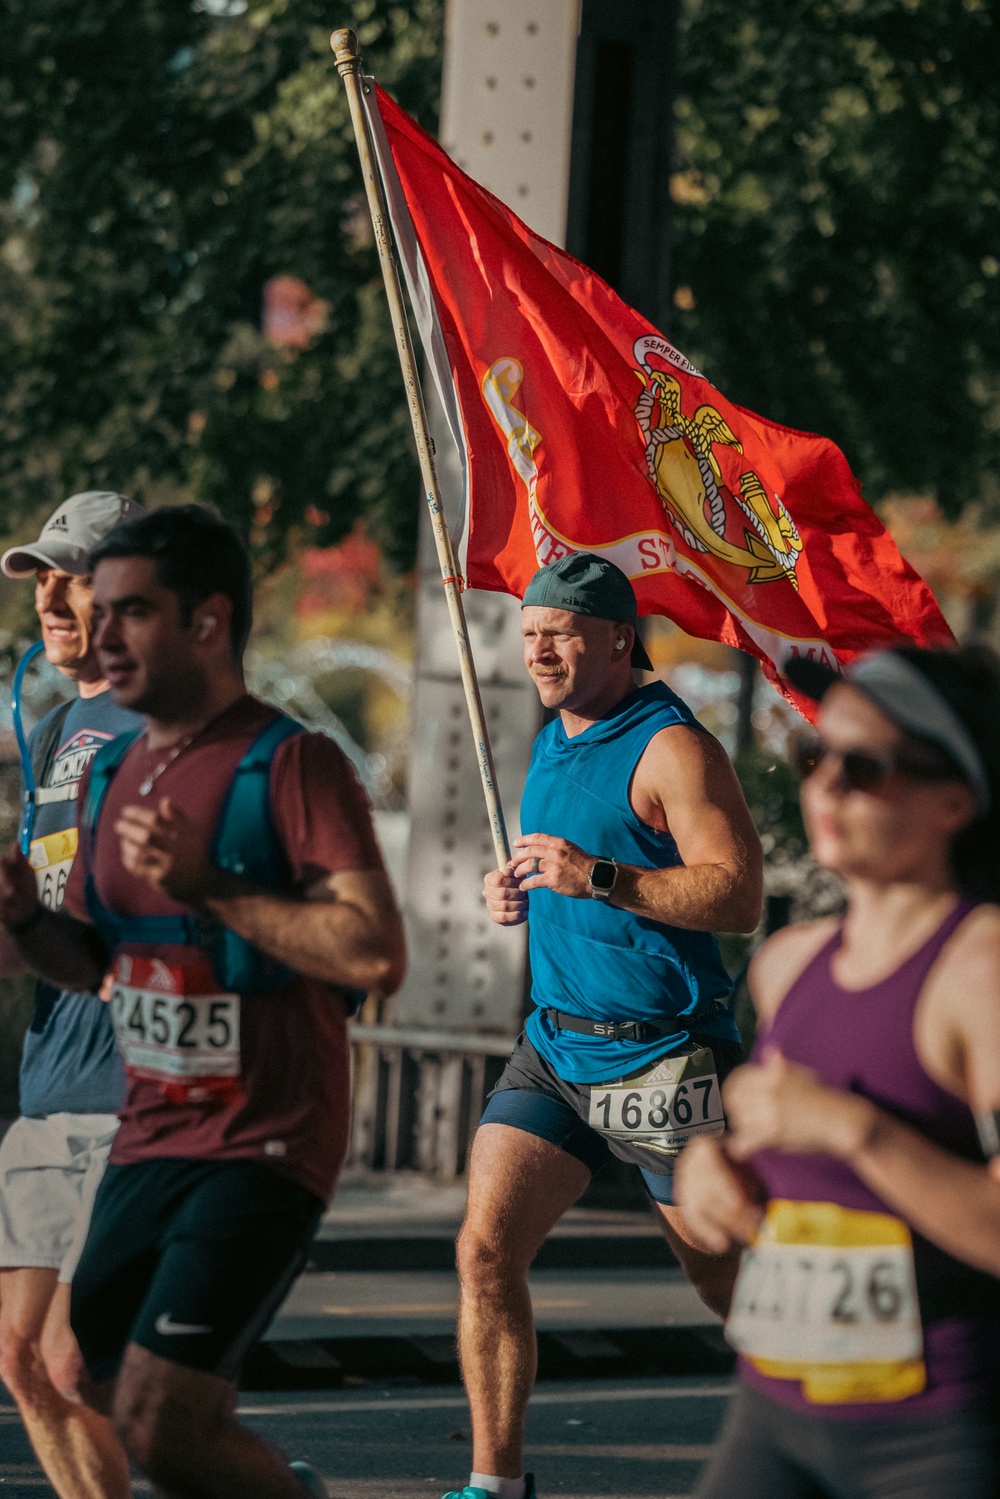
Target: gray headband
{"x":909,"y":699}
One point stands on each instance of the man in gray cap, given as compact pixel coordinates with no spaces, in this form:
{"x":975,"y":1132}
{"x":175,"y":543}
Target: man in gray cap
{"x":637,"y":846}
{"x":71,"y":1082}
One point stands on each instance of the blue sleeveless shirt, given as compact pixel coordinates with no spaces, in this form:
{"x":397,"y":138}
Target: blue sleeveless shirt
{"x":592,"y":958}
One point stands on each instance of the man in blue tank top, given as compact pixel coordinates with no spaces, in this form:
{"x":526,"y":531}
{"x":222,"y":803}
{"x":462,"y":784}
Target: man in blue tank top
{"x":637,"y":846}
{"x":71,"y":1081}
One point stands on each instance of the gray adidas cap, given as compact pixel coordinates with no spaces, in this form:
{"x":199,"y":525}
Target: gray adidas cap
{"x":71,"y":534}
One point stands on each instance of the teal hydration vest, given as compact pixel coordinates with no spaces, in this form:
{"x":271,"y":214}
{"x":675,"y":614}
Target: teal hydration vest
{"x":245,"y":842}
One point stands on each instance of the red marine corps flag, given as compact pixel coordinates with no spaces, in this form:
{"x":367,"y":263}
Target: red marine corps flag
{"x":580,"y":427}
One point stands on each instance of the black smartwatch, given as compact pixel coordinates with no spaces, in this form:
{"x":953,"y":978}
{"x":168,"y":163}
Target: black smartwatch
{"x":602,"y":878}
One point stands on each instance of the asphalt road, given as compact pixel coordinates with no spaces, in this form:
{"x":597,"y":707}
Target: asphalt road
{"x":585,"y":1441}
{"x":414,"y":1302}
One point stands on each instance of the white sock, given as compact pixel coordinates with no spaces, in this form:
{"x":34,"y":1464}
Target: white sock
{"x":504,"y":1488}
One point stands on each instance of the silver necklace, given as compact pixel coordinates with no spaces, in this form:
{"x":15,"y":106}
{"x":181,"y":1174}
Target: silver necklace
{"x":151,"y":779}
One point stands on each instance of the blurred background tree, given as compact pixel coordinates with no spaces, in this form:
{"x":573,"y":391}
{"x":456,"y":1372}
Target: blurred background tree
{"x":837,"y":227}
{"x":165,"y":164}
{"x":160,"y":163}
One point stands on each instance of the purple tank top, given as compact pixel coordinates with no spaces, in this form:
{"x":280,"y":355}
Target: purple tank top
{"x":861,"y":1040}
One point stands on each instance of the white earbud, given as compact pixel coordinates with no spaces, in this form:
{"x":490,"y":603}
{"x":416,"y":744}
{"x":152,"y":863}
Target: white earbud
{"x":207,"y":626}
{"x":619,"y":645}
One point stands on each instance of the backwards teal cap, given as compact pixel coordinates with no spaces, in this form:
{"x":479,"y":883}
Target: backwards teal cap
{"x":582,"y":583}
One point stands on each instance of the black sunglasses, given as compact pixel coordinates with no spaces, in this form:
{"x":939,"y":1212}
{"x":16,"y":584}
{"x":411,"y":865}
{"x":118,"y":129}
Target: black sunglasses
{"x":867,"y":770}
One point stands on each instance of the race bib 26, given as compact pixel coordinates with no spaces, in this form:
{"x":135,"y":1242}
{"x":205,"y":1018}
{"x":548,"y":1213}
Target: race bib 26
{"x":828,"y":1295}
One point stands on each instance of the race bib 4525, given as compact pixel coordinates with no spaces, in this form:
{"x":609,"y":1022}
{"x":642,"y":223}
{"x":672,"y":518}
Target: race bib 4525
{"x":828,"y":1295}
{"x":174,"y":1028}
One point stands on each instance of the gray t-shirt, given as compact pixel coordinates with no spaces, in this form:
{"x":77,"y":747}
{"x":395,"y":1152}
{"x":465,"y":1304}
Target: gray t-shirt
{"x":70,"y":1060}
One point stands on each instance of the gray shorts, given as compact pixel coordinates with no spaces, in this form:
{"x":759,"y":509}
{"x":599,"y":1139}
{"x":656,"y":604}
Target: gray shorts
{"x":769,"y":1451}
{"x":50,"y":1169}
{"x":531,"y":1096}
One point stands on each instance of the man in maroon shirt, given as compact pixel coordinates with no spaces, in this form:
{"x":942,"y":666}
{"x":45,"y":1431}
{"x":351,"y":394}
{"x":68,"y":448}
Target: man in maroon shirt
{"x":235,"y":1119}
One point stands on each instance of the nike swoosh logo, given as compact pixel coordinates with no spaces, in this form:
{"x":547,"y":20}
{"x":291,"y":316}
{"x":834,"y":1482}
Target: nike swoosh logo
{"x":166,"y":1327}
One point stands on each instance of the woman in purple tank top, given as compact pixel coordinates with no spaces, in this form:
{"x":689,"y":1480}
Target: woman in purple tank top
{"x":862,"y":1167}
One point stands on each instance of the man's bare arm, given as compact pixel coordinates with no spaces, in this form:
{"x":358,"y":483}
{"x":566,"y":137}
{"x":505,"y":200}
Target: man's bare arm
{"x":65,"y":951}
{"x":684,"y":785}
{"x":347,"y":931}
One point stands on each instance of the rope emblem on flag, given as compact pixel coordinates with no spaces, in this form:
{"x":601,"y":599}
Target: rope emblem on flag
{"x":680,"y":452}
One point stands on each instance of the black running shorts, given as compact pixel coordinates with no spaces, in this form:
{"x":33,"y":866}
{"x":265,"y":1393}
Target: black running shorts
{"x":189,"y":1259}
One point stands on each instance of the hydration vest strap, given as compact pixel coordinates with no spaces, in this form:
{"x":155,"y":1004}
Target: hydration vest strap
{"x":248,"y":795}
{"x":102,"y":770}
{"x":245,"y":842}
{"x":176,"y":931}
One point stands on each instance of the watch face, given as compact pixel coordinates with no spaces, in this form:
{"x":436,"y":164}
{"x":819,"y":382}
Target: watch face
{"x":603,"y":875}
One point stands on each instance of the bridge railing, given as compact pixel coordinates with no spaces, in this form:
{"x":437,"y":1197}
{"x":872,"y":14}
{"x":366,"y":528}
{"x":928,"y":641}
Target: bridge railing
{"x":418,"y":1095}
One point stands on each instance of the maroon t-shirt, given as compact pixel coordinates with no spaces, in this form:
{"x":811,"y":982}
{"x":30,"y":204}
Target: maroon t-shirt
{"x":293,"y":1108}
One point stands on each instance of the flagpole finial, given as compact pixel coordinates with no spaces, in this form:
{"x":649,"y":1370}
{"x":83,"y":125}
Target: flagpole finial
{"x":345,"y":48}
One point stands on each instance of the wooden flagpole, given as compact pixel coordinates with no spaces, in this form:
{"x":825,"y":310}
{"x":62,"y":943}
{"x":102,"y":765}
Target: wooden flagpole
{"x":345,"y":50}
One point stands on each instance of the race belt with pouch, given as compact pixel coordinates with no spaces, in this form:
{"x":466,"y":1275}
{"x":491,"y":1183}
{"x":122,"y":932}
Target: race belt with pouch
{"x":663,"y":1105}
{"x":52,"y":858}
{"x":175,"y":1029}
{"x":828,"y":1295}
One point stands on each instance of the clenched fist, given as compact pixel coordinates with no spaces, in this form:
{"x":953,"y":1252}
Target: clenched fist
{"x":167,"y":850}
{"x":722,"y":1199}
{"x":505,"y":900}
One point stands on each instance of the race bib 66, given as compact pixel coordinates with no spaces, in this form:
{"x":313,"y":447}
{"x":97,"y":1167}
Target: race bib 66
{"x":52,"y":858}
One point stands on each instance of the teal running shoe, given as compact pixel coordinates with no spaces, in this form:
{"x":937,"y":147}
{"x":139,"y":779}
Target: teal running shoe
{"x":311,"y":1480}
{"x":470,"y":1493}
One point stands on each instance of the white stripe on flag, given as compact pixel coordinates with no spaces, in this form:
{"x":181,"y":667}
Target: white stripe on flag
{"x":418,"y":285}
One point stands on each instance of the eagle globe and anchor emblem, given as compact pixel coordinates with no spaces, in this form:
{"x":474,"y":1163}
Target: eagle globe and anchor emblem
{"x":680,"y":452}
{"x":741,"y":525}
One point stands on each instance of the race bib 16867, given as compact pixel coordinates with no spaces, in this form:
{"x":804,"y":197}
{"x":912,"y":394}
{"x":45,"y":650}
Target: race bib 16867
{"x":664,"y":1105}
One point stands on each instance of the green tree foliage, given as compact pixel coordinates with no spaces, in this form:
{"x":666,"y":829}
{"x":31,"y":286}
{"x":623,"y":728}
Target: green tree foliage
{"x":837,"y":245}
{"x":160,"y":160}
{"x":837,"y":226}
